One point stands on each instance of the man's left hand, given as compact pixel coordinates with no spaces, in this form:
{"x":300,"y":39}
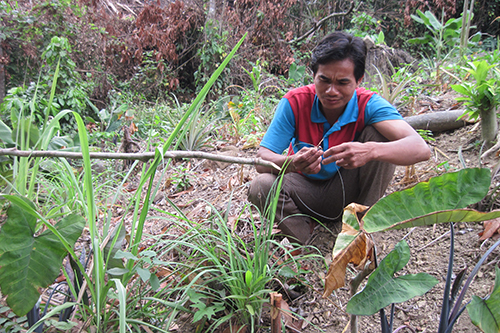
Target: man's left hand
{"x":349,"y":155}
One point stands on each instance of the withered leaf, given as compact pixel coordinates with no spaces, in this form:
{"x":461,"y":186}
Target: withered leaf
{"x":491,"y":228}
{"x":353,"y":245}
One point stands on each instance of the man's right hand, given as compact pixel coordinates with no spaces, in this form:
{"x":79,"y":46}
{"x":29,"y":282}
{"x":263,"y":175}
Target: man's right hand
{"x":307,"y":160}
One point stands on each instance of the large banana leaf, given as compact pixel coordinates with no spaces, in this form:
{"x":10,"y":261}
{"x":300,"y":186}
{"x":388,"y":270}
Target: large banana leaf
{"x":29,"y":261}
{"x":437,"y":201}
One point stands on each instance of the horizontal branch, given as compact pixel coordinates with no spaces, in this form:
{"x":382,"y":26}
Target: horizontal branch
{"x":144,"y":157}
{"x":320,"y":24}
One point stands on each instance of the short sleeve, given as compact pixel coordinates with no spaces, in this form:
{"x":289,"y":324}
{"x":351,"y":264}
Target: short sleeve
{"x":378,"y":109}
{"x":282,"y":128}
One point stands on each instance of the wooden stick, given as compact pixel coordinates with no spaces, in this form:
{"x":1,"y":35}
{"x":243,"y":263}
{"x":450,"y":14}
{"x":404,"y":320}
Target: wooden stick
{"x":276,"y":312}
{"x":144,"y":157}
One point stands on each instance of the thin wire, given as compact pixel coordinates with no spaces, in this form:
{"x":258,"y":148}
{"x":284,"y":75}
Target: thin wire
{"x":321,"y":215}
{"x":341,"y":181}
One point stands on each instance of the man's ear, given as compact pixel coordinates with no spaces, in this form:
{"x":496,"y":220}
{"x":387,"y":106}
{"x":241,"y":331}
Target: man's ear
{"x":360,"y":80}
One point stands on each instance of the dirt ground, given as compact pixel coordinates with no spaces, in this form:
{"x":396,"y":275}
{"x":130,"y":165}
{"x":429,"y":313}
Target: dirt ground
{"x":215,"y":183}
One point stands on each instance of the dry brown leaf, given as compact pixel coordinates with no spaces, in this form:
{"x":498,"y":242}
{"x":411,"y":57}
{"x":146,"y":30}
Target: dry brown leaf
{"x":491,"y":228}
{"x":133,"y":127}
{"x":231,"y":222}
{"x":196,"y":211}
{"x":175,"y":195}
{"x":147,"y":329}
{"x":280,"y":310}
{"x":163,"y":272}
{"x":357,"y":252}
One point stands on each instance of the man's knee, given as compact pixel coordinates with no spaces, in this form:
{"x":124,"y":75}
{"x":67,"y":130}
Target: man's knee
{"x":260,"y":187}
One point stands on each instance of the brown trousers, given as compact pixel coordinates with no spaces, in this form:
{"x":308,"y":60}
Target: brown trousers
{"x":302,"y":198}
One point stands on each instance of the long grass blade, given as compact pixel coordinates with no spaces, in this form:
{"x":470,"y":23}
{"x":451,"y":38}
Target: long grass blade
{"x":52,"y":93}
{"x":159,"y":156}
{"x":122,"y":298}
{"x":98,"y":274}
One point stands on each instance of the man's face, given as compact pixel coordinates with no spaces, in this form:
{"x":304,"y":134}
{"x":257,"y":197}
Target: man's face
{"x":335,"y":85}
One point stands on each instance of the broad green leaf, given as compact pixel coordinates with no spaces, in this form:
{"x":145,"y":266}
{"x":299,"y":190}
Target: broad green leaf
{"x":148,"y":253}
{"x":476,"y":37}
{"x":154,"y":282}
{"x":145,"y":274}
{"x":6,"y":134}
{"x":287,"y":272}
{"x":457,"y":215}
{"x":421,"y":18}
{"x":117,"y":271}
{"x":296,"y":72}
{"x":112,"y":247}
{"x":485,"y":313}
{"x":248,"y":278}
{"x":460,"y":89}
{"x":127,"y":255}
{"x":452,"y":25}
{"x":29,"y":261}
{"x":433,"y":21}
{"x":382,"y":289}
{"x":447,"y":192}
{"x":204,"y":310}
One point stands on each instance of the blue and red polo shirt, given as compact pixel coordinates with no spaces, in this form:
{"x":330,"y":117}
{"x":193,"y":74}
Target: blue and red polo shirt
{"x":298,"y":122}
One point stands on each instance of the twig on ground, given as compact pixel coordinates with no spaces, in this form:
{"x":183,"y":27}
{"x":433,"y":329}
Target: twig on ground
{"x":493,"y":149}
{"x":409,"y":232}
{"x":440,"y":151}
{"x":434,"y":241}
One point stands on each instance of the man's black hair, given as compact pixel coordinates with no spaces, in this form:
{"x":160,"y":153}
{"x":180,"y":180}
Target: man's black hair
{"x":337,"y":46}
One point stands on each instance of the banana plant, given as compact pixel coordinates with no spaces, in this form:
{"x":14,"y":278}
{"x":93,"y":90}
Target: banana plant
{"x":442,"y":36}
{"x":481,"y":96}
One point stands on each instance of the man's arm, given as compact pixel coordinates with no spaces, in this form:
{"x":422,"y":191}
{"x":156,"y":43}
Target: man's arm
{"x":405,"y":147}
{"x":307,"y":160}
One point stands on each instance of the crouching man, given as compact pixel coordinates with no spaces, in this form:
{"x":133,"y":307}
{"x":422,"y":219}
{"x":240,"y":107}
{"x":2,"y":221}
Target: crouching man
{"x":344,"y":142}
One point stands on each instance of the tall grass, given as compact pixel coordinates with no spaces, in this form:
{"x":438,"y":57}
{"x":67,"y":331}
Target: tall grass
{"x":96,"y":279}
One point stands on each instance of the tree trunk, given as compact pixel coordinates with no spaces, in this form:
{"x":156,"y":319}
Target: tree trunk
{"x":2,"y":75}
{"x":212,"y":6}
{"x":437,"y":121}
{"x":489,"y":125}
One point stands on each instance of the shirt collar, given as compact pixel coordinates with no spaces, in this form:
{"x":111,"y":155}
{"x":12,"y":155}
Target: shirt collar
{"x":349,"y":115}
